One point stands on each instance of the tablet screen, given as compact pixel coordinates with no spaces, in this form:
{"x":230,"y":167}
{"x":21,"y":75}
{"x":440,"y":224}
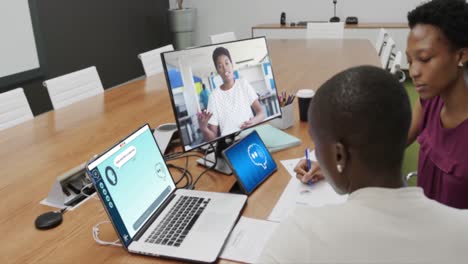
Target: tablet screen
{"x":250,"y":161}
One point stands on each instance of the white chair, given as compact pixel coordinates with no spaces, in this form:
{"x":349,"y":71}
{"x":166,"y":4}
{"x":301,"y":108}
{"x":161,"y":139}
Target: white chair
{"x":387,"y":52}
{"x":73,"y":87}
{"x":151,"y":60}
{"x":223,"y":37}
{"x":325,"y":30}
{"x":380,"y":42}
{"x":14,"y":108}
{"x":396,"y":67}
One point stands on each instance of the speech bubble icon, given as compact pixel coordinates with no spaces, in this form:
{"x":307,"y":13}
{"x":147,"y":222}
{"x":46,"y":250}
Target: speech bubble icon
{"x":124,"y":157}
{"x":257,"y":155}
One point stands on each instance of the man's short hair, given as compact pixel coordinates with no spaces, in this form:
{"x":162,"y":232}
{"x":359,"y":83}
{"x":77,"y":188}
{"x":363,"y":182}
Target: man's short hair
{"x":367,"y":109}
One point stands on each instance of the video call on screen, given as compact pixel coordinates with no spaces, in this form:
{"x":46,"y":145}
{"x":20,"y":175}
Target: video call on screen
{"x":192,"y":78}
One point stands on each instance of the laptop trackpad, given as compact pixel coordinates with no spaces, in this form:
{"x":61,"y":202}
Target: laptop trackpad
{"x":212,"y":222}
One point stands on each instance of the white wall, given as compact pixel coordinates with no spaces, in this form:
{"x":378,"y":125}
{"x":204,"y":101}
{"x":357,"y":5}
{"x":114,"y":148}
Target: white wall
{"x":380,"y":10}
{"x":216,"y":16}
{"x":17,"y":45}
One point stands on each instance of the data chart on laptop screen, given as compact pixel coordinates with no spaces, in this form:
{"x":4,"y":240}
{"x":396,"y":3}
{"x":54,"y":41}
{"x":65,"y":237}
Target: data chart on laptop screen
{"x":135,"y":180}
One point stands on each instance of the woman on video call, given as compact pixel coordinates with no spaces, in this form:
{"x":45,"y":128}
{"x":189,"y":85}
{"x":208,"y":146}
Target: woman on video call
{"x":229,"y":107}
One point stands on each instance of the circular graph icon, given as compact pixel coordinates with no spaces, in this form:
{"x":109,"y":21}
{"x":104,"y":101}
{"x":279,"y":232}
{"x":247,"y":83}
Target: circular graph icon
{"x":160,"y":170}
{"x":111,"y":175}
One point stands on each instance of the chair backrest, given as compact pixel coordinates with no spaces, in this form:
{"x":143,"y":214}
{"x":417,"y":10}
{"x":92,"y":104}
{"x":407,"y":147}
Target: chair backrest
{"x":379,"y":43}
{"x":325,"y":30}
{"x":223,"y":37}
{"x":14,"y":108}
{"x":151,"y":60}
{"x":387,"y":52}
{"x":73,"y":87}
{"x":396,"y":67}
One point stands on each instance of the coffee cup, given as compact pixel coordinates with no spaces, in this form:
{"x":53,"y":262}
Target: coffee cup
{"x":304,"y":96}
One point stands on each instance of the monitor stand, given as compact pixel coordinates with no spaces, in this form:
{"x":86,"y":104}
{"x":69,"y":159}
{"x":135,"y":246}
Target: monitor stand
{"x":221,"y":164}
{"x":164,"y":134}
{"x":236,"y":188}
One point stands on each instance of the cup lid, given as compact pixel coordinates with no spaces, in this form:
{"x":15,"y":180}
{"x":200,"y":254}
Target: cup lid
{"x":305,"y":93}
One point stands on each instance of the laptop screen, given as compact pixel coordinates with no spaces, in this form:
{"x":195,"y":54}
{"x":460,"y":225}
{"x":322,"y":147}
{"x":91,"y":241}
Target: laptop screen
{"x":132,"y":180}
{"x":251,"y":161}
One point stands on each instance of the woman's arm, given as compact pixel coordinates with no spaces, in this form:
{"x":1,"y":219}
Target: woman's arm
{"x":415,"y":121}
{"x":259,"y":115}
{"x":210,"y":132}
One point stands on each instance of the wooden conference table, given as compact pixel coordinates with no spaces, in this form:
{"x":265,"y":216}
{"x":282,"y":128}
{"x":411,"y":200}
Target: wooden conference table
{"x":34,"y":153}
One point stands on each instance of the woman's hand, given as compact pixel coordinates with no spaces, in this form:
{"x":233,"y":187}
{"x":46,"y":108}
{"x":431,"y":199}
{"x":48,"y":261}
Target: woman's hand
{"x":248,"y":123}
{"x":308,"y":177}
{"x":203,"y":118}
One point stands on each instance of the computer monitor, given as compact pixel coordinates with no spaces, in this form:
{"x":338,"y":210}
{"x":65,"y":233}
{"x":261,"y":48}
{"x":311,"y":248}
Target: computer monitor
{"x":219,"y":90}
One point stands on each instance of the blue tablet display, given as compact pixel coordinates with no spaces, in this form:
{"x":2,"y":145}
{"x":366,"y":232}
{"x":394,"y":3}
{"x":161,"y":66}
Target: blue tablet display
{"x":251,"y":161}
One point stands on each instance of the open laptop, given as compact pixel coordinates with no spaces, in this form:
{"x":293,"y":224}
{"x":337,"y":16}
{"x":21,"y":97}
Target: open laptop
{"x":151,"y":216}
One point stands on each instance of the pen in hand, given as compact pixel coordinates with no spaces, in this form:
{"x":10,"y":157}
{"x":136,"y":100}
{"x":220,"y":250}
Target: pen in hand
{"x":307,"y":155}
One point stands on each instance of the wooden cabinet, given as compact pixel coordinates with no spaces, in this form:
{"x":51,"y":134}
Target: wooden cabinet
{"x":398,"y":31}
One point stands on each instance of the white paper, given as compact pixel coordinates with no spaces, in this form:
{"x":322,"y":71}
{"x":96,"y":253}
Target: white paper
{"x":247,"y":240}
{"x":298,"y":194}
{"x":290,"y":164}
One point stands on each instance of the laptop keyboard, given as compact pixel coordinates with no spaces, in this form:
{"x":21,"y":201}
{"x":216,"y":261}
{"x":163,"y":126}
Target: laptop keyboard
{"x":177,"y":223}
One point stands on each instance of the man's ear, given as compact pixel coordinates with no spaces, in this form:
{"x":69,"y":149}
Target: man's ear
{"x":342,"y":165}
{"x":341,"y":156}
{"x":463,"y":56}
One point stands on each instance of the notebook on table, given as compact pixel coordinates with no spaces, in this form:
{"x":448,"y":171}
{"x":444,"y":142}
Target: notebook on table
{"x":275,"y":139}
{"x":151,"y":216}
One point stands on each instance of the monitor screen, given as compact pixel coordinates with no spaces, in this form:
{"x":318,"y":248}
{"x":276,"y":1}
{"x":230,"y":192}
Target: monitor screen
{"x":220,"y":89}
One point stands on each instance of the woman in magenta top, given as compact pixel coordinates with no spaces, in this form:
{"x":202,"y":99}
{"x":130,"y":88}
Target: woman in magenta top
{"x":437,"y":53}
